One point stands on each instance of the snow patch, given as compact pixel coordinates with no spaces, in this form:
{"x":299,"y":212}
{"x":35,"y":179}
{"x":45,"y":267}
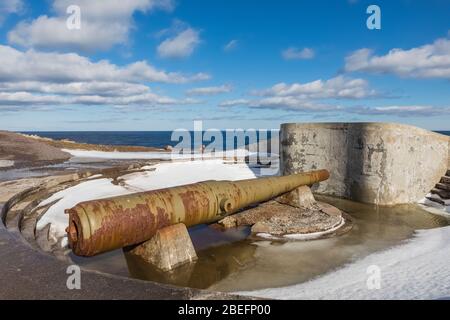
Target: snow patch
{"x":405,"y":270}
{"x":162,"y":175}
{"x":180,"y":173}
{"x":434,"y":207}
{"x":153,"y":155}
{"x":65,"y":199}
{"x":303,"y":236}
{"x":6,"y":163}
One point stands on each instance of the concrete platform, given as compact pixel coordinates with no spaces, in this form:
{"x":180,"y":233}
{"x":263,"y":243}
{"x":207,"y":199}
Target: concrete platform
{"x":27,"y":272}
{"x":379,"y":163}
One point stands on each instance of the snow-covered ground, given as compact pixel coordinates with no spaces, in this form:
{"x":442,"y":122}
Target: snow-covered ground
{"x":152,"y":155}
{"x":6,"y":163}
{"x":158,"y":176}
{"x":416,"y":269}
{"x":434,"y":207}
{"x":302,"y":236}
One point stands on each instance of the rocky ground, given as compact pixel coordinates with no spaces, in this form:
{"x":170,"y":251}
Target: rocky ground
{"x":20,"y":150}
{"x":17,"y":150}
{"x":293,"y":216}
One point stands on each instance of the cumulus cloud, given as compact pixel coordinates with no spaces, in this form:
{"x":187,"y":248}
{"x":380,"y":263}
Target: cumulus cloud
{"x":41,"y":78}
{"x":181,"y":45}
{"x":339,"y":87}
{"x":103,"y":25}
{"x":230,"y":46}
{"x":306,"y":97}
{"x":146,"y":99}
{"x":76,"y":88}
{"x":32,"y":65}
{"x":8,"y":7}
{"x":298,"y":54}
{"x":208,"y":91}
{"x":427,"y":61}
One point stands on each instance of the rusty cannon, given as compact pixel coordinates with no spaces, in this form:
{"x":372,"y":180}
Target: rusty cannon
{"x":106,"y":224}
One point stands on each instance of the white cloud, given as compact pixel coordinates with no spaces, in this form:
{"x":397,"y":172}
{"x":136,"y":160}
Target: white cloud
{"x":312,"y":106}
{"x":234,"y":103}
{"x":33,"y":65}
{"x":37,"y":78}
{"x":313,"y":97}
{"x":402,"y":111}
{"x":181,"y":45}
{"x":207,"y":91}
{"x":282,"y":103}
{"x":306,"y":97}
{"x":292,"y":104}
{"x":230,"y":46}
{"x":296,"y":54}
{"x":147,"y":99}
{"x":427,"y":61}
{"x":339,"y":87}
{"x":8,"y":7}
{"x":103,"y":25}
{"x":76,"y":88}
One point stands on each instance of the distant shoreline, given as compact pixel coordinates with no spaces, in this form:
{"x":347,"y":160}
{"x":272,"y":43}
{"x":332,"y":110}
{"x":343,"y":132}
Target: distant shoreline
{"x":146,"y":139}
{"x":18,"y":150}
{"x":71,"y":144}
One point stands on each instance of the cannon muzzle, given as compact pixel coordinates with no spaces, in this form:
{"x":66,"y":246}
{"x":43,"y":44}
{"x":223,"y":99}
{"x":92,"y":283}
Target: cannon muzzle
{"x":106,"y":224}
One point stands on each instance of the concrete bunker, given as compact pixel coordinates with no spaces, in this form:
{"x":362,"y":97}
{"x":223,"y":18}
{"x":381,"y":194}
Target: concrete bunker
{"x":379,"y":163}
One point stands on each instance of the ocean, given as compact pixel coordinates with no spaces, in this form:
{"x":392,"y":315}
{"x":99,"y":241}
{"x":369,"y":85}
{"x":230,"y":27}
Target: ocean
{"x":156,"y":139}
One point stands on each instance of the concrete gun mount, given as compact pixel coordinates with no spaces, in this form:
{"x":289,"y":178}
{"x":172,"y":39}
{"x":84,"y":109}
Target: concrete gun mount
{"x":102,"y":225}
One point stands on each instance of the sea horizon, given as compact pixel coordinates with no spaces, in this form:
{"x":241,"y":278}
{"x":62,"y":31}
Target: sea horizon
{"x":155,"y":139}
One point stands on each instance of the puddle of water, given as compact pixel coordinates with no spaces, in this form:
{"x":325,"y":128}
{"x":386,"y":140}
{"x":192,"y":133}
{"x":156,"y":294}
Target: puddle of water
{"x":229,"y":262}
{"x":206,"y":241}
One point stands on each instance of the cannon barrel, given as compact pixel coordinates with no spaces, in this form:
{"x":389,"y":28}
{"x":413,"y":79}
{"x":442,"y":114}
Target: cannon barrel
{"x":106,"y":224}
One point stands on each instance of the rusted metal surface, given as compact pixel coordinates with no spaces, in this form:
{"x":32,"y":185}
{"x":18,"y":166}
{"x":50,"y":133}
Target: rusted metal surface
{"x":102,"y":225}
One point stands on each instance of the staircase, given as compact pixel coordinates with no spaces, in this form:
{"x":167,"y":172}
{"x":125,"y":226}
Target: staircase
{"x":441,"y":192}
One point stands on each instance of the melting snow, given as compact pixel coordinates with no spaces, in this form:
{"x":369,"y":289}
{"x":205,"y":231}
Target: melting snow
{"x":6,"y":163}
{"x":417,"y":269}
{"x":152,"y":154}
{"x":161,"y":175}
{"x":434,"y":207}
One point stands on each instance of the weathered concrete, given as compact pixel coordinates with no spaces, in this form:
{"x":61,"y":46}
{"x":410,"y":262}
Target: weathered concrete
{"x":300,"y":197}
{"x":27,"y":272}
{"x":294,"y":213}
{"x":170,"y":247}
{"x":378,"y":163}
{"x":295,"y":221}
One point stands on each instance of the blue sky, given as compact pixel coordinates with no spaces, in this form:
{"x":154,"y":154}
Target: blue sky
{"x":161,"y":64}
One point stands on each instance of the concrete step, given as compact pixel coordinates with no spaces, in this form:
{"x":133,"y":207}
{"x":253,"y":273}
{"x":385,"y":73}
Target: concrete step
{"x":437,"y":200}
{"x":445,"y":179}
{"x":444,"y":194}
{"x":443,"y":186}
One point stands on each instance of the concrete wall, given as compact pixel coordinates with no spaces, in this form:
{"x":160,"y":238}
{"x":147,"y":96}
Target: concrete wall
{"x":380,"y":163}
